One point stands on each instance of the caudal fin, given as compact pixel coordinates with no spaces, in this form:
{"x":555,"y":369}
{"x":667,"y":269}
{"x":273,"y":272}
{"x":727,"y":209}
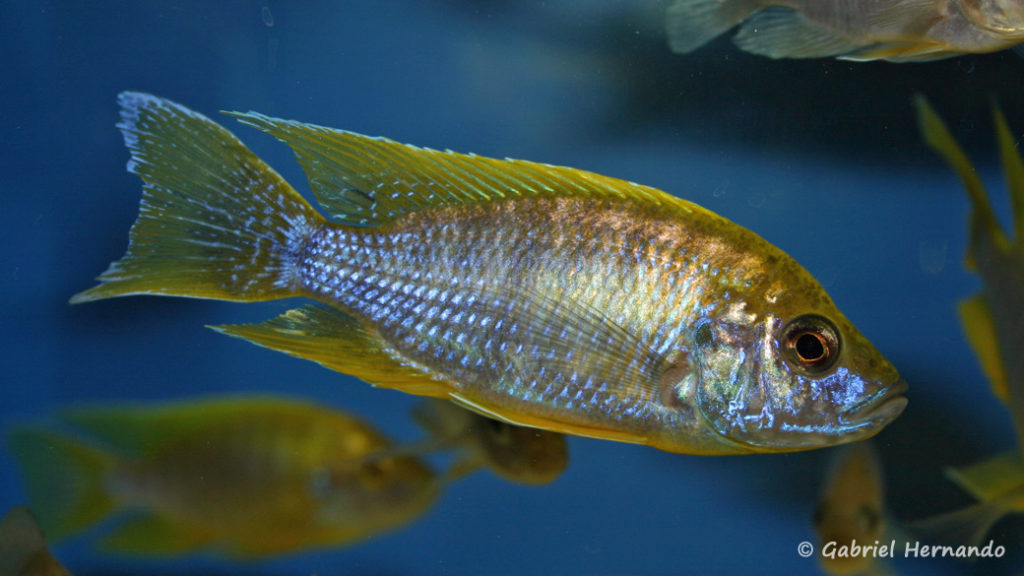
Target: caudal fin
{"x":214,"y":220}
{"x":65,"y":479}
{"x":691,"y":24}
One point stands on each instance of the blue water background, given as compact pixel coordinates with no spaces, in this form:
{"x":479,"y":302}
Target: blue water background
{"x":872,"y":215}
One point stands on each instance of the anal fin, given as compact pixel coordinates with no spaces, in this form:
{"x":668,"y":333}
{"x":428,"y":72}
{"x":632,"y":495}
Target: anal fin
{"x":338,"y":341}
{"x":778,"y":32}
{"x":152,"y":535}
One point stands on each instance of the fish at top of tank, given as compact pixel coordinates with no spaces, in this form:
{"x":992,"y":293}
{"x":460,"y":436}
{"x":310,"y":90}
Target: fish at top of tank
{"x":894,"y":30}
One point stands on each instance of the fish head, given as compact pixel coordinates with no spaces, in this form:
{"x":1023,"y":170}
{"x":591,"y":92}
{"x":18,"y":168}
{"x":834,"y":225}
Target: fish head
{"x":377,"y":491}
{"x":1005,"y":17}
{"x":775,"y":380}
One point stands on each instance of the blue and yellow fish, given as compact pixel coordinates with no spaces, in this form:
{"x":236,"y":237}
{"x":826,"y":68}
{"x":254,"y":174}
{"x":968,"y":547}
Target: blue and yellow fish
{"x":249,"y":476}
{"x":539,"y":295}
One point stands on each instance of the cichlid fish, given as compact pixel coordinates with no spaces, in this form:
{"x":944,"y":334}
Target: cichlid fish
{"x":23,"y":550}
{"x":248,"y":476}
{"x":851,"y":509}
{"x":538,"y":295}
{"x":894,"y":30}
{"x":515,"y":453}
{"x":994,"y":323}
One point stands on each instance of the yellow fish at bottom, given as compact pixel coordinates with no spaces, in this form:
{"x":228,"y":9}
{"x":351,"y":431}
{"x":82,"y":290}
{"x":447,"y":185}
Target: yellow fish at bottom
{"x":247,"y":476}
{"x":538,"y":295}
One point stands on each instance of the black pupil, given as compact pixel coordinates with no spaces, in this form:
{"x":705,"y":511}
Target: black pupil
{"x":809,"y":347}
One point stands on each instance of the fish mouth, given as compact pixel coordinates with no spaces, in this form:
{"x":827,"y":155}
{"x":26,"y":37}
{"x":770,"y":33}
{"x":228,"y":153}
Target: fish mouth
{"x":877,"y":410}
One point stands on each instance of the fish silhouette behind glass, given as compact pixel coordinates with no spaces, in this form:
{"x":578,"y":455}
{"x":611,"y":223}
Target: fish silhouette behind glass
{"x":246,"y":476}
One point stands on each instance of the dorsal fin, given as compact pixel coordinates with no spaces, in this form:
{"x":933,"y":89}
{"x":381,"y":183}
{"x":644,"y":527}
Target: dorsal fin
{"x":135,"y":429}
{"x":370,"y":181}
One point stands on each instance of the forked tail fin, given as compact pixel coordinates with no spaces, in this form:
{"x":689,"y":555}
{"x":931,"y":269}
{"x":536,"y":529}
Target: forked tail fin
{"x":214,"y":220}
{"x":65,"y":479}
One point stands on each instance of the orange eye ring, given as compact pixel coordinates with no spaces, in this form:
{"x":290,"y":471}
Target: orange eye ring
{"x":811,"y":343}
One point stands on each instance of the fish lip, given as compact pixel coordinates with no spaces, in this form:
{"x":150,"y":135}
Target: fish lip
{"x":880,"y":408}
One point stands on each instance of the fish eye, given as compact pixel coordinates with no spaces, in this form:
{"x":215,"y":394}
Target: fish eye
{"x":811,"y":343}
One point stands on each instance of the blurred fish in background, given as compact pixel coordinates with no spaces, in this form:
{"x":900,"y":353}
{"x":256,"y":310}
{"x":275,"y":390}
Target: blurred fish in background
{"x":851,"y":510}
{"x":248,"y":476}
{"x":23,"y":550}
{"x":893,"y":30}
{"x":994,"y":323}
{"x":515,"y":453}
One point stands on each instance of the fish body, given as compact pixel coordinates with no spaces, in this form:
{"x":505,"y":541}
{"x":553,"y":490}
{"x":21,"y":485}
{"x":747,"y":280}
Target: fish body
{"x":249,"y":476}
{"x":993,"y":321}
{"x":515,"y":453}
{"x":851,"y":508}
{"x":539,"y":295}
{"x":23,"y":550}
{"x":894,"y":30}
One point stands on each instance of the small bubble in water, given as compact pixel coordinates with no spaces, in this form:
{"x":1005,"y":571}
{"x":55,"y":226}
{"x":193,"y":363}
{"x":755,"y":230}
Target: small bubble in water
{"x":268,"y":18}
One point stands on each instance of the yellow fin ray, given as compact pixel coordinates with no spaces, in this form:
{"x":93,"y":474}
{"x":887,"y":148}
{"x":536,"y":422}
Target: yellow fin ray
{"x":339,"y":342}
{"x":978,"y":324}
{"x":991,"y":478}
{"x":939,"y":139}
{"x":369,"y":181}
{"x":1013,"y":168}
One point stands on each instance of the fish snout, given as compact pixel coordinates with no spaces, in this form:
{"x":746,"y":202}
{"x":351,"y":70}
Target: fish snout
{"x":877,"y":410}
